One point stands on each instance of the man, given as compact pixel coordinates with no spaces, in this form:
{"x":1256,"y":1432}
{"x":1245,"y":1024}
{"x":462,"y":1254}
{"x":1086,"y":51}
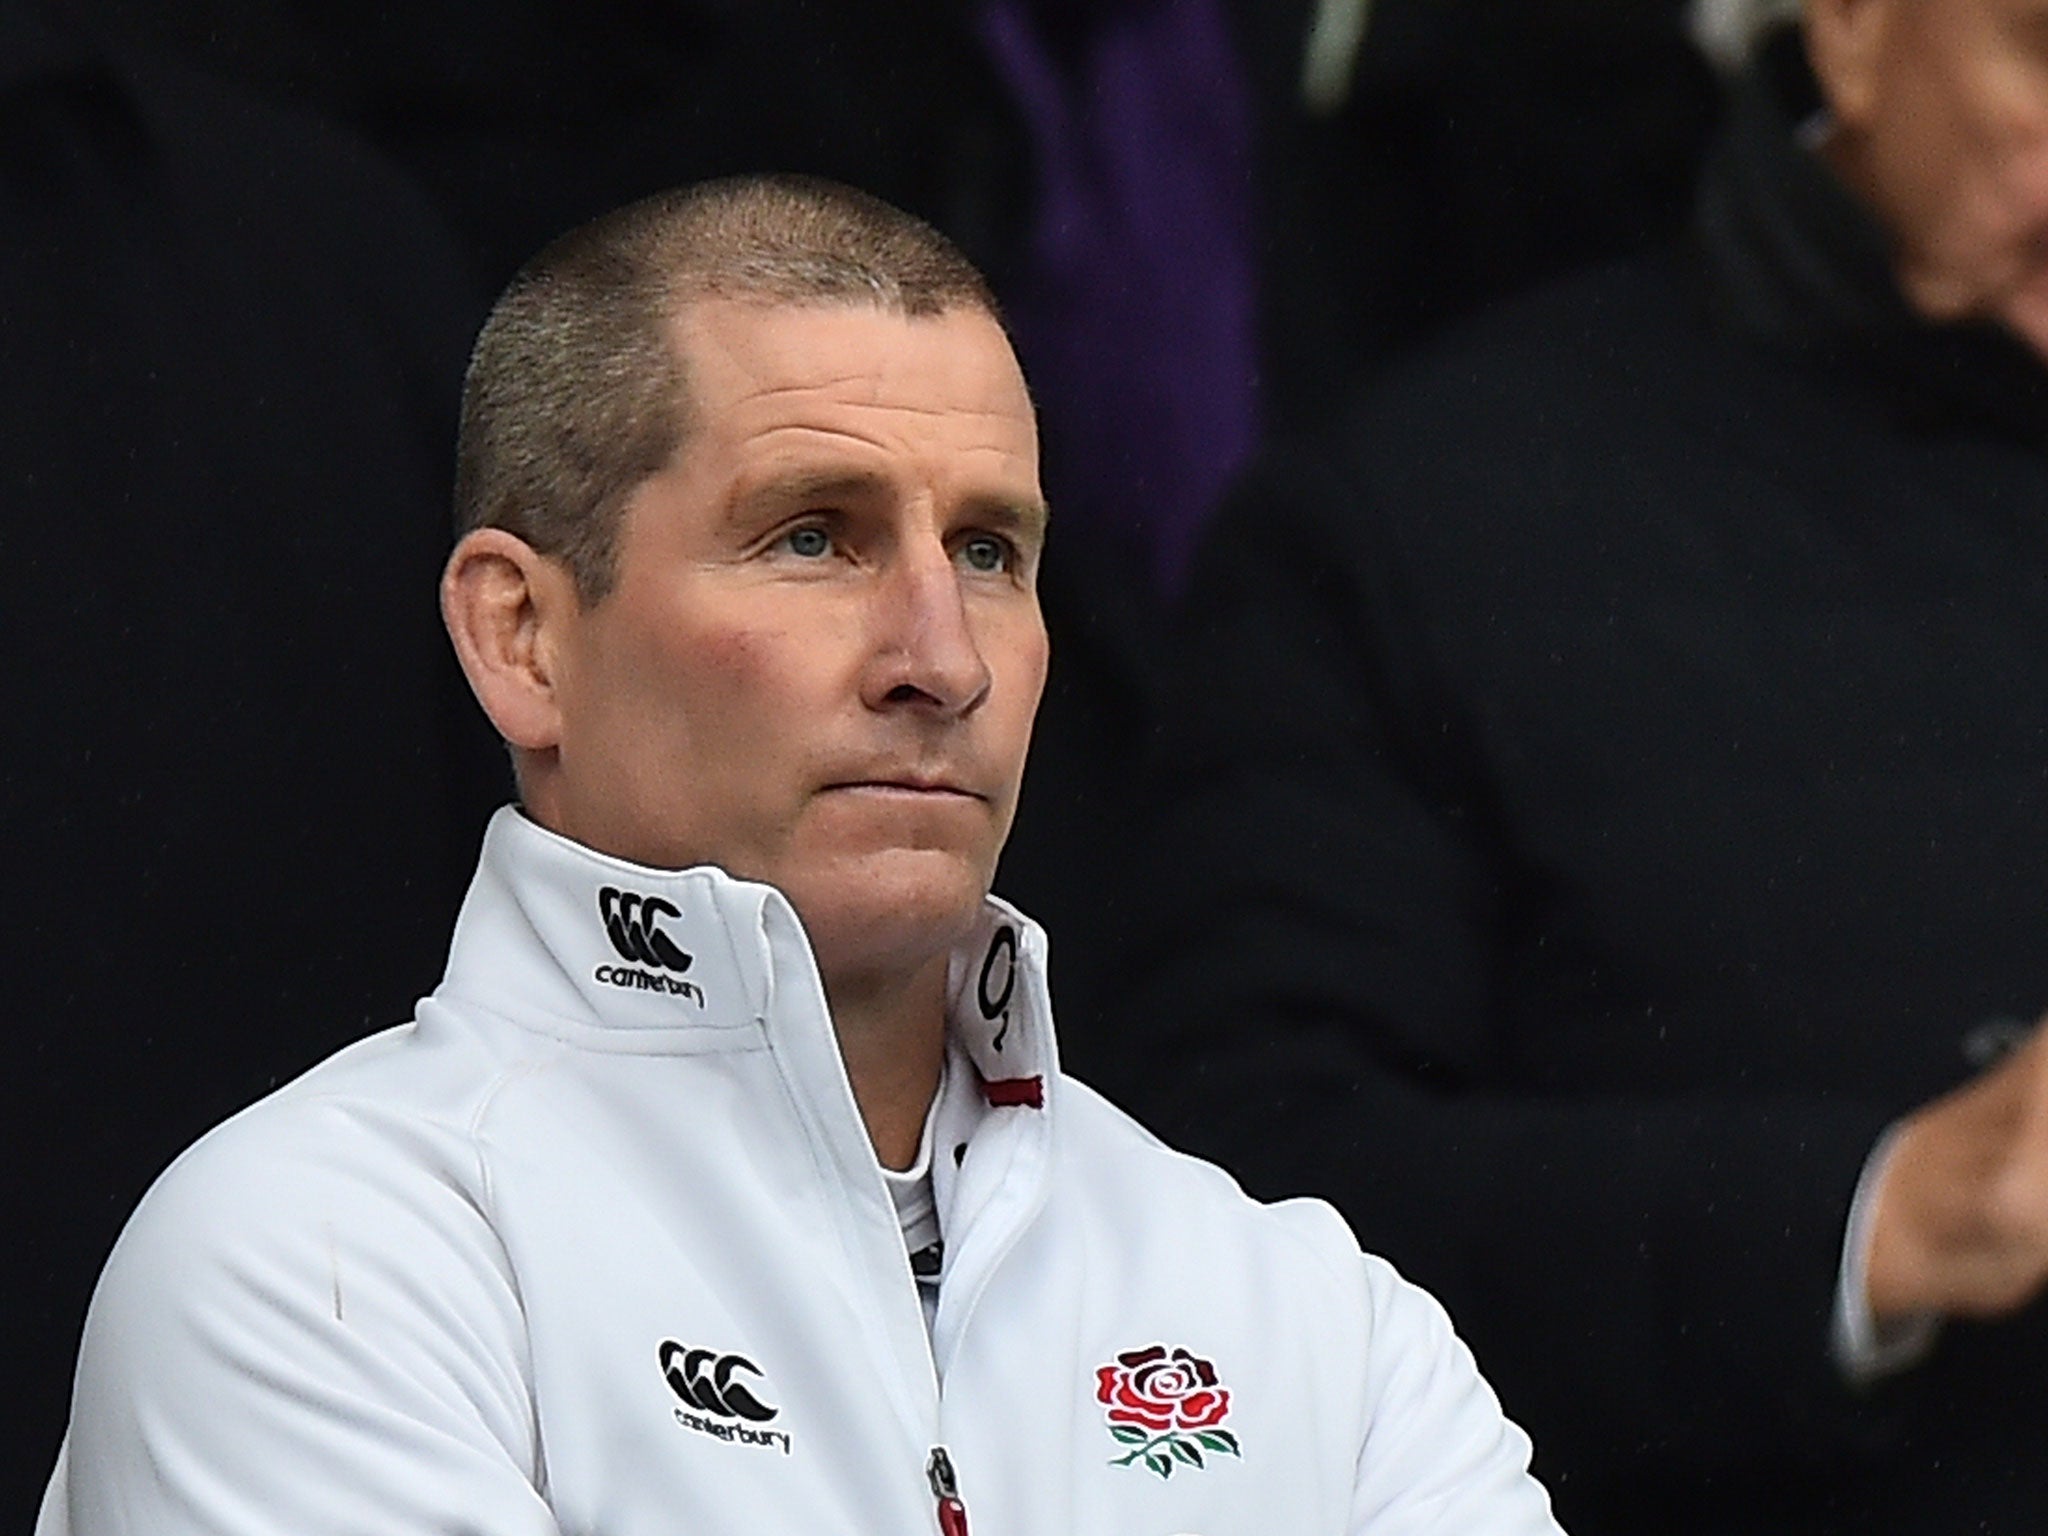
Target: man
{"x":1607,"y":816}
{"x":728,"y":1182}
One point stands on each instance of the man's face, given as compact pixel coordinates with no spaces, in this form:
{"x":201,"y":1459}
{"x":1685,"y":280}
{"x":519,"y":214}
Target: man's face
{"x":1952,"y":139}
{"x":820,"y":662}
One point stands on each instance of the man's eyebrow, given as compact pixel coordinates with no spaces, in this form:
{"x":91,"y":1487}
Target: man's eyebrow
{"x":1028,"y":516}
{"x":808,"y":486}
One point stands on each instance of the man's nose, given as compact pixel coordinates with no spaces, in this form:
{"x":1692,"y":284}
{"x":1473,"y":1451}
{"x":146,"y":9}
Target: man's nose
{"x":925,"y":655}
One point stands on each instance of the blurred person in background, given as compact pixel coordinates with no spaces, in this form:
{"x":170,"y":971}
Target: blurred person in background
{"x":1605,"y":787}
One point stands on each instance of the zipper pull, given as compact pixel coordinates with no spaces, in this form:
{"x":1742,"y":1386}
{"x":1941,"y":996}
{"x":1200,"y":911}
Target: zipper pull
{"x":946,"y":1489}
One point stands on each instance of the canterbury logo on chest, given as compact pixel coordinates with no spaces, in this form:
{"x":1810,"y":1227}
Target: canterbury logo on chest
{"x":722,"y":1394}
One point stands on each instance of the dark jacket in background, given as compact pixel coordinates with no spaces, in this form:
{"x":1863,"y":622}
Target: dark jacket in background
{"x":1607,"y":783}
{"x":242,"y":779}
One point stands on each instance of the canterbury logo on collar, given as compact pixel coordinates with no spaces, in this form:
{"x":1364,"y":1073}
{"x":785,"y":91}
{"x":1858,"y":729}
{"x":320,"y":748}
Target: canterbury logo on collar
{"x":633,"y":924}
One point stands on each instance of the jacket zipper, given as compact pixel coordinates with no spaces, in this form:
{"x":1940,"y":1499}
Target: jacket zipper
{"x":946,"y":1489}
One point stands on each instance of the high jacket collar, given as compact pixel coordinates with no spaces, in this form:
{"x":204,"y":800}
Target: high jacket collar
{"x":617,"y":956}
{"x":1795,"y":261}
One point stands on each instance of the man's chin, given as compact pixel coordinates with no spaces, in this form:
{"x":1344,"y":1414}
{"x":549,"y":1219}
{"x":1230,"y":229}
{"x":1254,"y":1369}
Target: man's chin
{"x":889,"y":907}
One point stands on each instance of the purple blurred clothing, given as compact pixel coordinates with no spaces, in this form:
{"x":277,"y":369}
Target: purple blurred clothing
{"x":1135,"y":309}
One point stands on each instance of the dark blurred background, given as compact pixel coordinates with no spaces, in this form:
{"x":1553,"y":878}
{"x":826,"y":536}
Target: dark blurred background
{"x":245,"y":248}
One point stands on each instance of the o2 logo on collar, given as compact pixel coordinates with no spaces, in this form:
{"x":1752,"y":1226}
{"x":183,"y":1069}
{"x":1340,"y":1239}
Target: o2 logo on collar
{"x":998,"y":980}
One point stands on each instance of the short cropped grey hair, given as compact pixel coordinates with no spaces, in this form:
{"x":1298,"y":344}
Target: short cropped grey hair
{"x":1728,"y":31}
{"x":576,"y":393}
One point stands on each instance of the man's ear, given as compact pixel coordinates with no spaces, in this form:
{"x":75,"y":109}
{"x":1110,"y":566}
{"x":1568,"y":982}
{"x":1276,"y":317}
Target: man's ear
{"x":508,"y":608}
{"x":1845,"y":42}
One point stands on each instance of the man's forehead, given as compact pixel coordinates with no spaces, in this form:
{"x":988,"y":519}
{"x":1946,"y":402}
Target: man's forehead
{"x":850,"y":376}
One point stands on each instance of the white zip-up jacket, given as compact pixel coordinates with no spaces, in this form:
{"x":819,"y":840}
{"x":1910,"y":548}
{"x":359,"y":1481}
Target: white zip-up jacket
{"x":599,"y":1245}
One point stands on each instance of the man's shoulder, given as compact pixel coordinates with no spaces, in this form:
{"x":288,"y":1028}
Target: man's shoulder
{"x":370,"y":1151}
{"x":330,"y":1247}
{"x":1555,"y":432}
{"x":1155,"y":1193}
{"x":1291,"y":1271}
{"x":1573,"y":398}
{"x":1613,"y":322}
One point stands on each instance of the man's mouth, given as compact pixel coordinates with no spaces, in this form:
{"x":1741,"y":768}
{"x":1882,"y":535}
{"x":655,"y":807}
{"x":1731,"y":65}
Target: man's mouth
{"x":909,"y":786}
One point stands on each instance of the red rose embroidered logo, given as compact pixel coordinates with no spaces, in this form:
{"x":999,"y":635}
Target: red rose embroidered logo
{"x":1167,"y":1407}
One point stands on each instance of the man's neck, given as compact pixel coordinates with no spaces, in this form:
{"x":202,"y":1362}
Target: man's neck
{"x":892,"y":1034}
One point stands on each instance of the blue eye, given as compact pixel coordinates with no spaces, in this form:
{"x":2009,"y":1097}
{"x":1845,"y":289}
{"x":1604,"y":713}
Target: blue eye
{"x":810,"y":543}
{"x":986,"y":553}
